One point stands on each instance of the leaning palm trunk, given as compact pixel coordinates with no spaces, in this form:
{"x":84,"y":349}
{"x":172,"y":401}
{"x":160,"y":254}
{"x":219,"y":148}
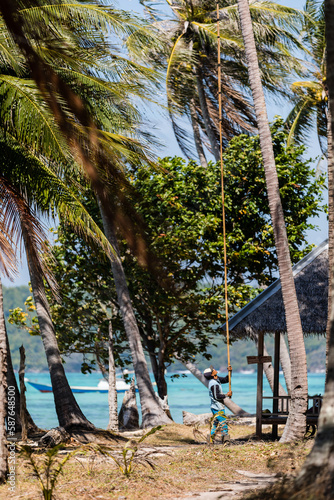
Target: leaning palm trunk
{"x":152,"y":413}
{"x":296,"y":423}
{"x":233,"y":407}
{"x":68,"y":411}
{"x":269,"y":373}
{"x":285,"y":363}
{"x":319,"y":465}
{"x":3,"y":396}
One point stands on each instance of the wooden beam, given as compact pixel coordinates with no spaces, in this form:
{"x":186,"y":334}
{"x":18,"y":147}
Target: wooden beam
{"x":259,"y":386}
{"x":276,"y":381}
{"x":258,"y":359}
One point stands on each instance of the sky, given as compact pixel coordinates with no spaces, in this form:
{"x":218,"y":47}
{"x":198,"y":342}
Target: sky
{"x":159,"y":123}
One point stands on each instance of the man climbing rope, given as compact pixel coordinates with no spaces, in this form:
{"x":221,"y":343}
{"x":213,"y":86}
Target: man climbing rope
{"x":217,"y":400}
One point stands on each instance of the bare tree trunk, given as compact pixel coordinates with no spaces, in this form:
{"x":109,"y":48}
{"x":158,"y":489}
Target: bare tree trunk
{"x":11,"y":381}
{"x":233,"y":407}
{"x":206,"y":118}
{"x":161,"y":382}
{"x":68,"y":411}
{"x":152,"y":413}
{"x":296,"y":423}
{"x":285,"y":363}
{"x":3,"y":395}
{"x":23,"y":405}
{"x":320,"y":462}
{"x":197,"y":135}
{"x":112,"y":393}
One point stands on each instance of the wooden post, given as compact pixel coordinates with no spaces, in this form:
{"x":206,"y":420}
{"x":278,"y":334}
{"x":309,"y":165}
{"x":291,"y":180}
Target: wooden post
{"x":23,"y":405}
{"x":259,"y":360}
{"x":276,"y":382}
{"x":259,"y":387}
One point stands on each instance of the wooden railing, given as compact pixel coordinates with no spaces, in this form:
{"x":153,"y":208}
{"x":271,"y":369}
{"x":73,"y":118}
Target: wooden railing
{"x":282,"y":403}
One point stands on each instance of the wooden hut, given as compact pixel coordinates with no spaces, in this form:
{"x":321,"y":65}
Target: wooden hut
{"x":265,"y":315}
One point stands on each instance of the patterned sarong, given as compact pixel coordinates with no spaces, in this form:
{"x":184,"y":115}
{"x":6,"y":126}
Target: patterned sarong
{"x":219,"y":422}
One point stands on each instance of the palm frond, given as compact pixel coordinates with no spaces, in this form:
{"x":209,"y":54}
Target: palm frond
{"x":20,"y":220}
{"x":25,"y":114}
{"x":299,"y":120}
{"x":45,"y":190}
{"x":98,"y":19}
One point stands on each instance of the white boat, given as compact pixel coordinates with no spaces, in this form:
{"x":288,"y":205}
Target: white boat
{"x":102,"y":386}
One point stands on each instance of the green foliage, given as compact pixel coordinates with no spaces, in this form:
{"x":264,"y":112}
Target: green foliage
{"x":35,"y":358}
{"x":181,"y":206}
{"x":49,"y":470}
{"x":250,"y":238}
{"x":35,"y":355}
{"x":88,"y":301}
{"x":22,"y":319}
{"x":129,"y":457}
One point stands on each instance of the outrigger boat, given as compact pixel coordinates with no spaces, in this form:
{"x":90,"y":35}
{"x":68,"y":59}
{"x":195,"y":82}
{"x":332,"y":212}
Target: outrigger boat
{"x":102,"y":386}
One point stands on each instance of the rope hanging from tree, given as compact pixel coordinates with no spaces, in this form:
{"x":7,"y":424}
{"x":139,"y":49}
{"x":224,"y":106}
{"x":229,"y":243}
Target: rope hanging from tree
{"x":223,"y":195}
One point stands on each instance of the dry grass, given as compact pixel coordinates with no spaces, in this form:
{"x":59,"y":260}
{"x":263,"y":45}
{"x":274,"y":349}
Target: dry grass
{"x":186,"y":467}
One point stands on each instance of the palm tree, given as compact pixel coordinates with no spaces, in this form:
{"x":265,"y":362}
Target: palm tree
{"x":101,"y":152}
{"x":311,"y":96}
{"x":191,"y":79}
{"x":296,"y":424}
{"x":311,"y":108}
{"x":19,"y":215}
{"x":318,"y":467}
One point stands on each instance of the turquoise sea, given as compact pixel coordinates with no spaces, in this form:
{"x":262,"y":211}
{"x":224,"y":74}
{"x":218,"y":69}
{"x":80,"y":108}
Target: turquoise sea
{"x":184,"y":393}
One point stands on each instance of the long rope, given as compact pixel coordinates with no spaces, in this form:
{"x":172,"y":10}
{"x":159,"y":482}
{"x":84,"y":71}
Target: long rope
{"x":223,"y":195}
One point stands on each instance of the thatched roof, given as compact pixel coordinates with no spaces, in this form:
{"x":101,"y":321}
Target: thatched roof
{"x":266,"y":312}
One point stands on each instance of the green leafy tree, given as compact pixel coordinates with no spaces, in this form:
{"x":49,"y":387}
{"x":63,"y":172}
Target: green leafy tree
{"x":250,"y":235}
{"x":182,"y":209}
{"x":181,"y":205}
{"x":88,"y":302}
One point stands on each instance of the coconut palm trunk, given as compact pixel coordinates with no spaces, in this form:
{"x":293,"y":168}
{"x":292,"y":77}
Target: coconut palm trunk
{"x":330,"y":174}
{"x":152,"y":413}
{"x":68,"y":411}
{"x":269,"y":373}
{"x":3,"y":396}
{"x":320,"y":462}
{"x":285,"y":363}
{"x":296,"y":423}
{"x":197,"y":135}
{"x":206,"y":117}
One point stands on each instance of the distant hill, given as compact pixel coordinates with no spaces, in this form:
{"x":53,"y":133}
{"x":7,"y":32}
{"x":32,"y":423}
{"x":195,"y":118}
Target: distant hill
{"x":35,"y":355}
{"x":36,"y":361}
{"x":315,"y":351}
